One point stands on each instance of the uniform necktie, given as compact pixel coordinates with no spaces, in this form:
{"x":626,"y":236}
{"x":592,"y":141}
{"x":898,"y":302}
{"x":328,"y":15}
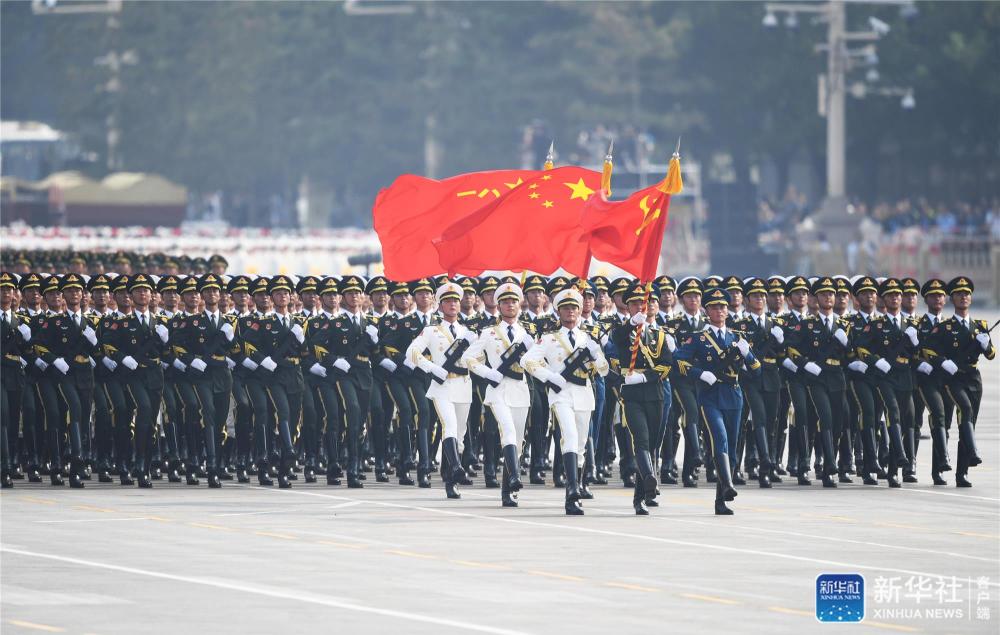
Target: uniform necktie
{"x":572,"y":340}
{"x":760,"y":322}
{"x":510,"y":332}
{"x":451,"y":327}
{"x":215,"y":322}
{"x":142,"y":320}
{"x":423,"y":320}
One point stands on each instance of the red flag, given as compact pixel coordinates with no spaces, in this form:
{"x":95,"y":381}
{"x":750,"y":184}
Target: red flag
{"x":629,"y":233}
{"x":414,"y":210}
{"x":535,"y":226}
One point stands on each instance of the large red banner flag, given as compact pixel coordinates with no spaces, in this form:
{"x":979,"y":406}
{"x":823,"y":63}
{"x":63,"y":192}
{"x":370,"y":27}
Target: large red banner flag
{"x":629,"y":233}
{"x":414,"y":210}
{"x":534,"y":227}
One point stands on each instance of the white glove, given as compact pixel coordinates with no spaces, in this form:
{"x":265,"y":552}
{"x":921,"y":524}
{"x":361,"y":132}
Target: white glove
{"x":949,"y":366}
{"x":198,"y":365}
{"x":557,"y":379}
{"x":299,"y":333}
{"x":638,"y":318}
{"x":439,"y":372}
{"x":708,"y":377}
{"x":249,"y":364}
{"x":268,"y":364}
{"x":813,"y":368}
{"x":90,"y":335}
{"x":912,"y":334}
{"x":409,"y":364}
{"x":635,"y":378}
{"x":318,"y":370}
{"x":61,"y":364}
{"x":342,"y":364}
{"x":162,"y":332}
{"x":179,"y":365}
{"x":230,"y":364}
{"x":604,"y":339}
{"x":789,"y":365}
{"x":841,"y":336}
{"x":109,"y":363}
{"x":388,"y":364}
{"x":859,"y":366}
{"x":883,"y":366}
{"x":594,"y":348}
{"x":671,"y":342}
{"x":227,"y":330}
{"x":25,"y":332}
{"x":90,"y":360}
{"x":492,"y":374}
{"x":778,"y":334}
{"x":41,"y":364}
{"x":469,"y":337}
{"x":164,"y":365}
{"x":925,"y":368}
{"x":744,"y":347}
{"x":129,"y":362}
{"x":984,"y":340}
{"x":24,"y":362}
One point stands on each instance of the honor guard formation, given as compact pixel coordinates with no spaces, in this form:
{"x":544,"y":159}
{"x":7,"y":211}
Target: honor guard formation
{"x":138,"y":368}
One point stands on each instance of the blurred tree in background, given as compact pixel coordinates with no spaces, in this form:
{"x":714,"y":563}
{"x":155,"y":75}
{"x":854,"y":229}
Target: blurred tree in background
{"x":252,"y":98}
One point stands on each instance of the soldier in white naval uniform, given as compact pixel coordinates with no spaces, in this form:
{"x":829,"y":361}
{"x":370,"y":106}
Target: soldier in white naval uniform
{"x":450,"y":391}
{"x":507,"y":396}
{"x":570,"y":398}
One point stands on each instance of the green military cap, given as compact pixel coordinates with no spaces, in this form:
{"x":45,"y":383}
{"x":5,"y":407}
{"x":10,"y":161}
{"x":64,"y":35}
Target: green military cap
{"x":209,"y":281}
{"x":600,"y":283}
{"x":712,"y":282}
{"x":352,"y":283}
{"x":556,"y":284}
{"x":77,"y":259}
{"x":198,"y":265}
{"x":139,"y":281}
{"x":733,"y":283}
{"x":776,"y":284}
{"x":824,"y":283}
{"x":796,"y":283}
{"x":376,"y":284}
{"x":238,"y":283}
{"x":71,"y":281}
{"x":51,"y":283}
{"x":328,"y":284}
{"x":398,"y":288}
{"x":307,"y":284}
{"x":934,"y":286}
{"x":260,"y":285}
{"x":22,"y":260}
{"x":280,"y":283}
{"x":619,"y":285}
{"x":889,"y":286}
{"x":7,"y":280}
{"x":961,"y":283}
{"x":100,"y":281}
{"x":910,"y":285}
{"x":118,"y":283}
{"x":864,"y":283}
{"x":637,"y":291}
{"x":122,"y":258}
{"x":166,"y":283}
{"x":718,"y":295}
{"x":511,"y":280}
{"x":842,"y":283}
{"x":753,"y":284}
{"x":488,"y":283}
{"x":690,"y":284}
{"x":534,"y":282}
{"x":423,"y":284}
{"x":187,"y":284}
{"x":440,"y":279}
{"x":217,"y":259}
{"x":664,"y":283}
{"x":469,"y":285}
{"x":29,"y":280}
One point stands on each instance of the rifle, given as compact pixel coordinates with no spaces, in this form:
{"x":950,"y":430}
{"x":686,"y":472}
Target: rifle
{"x":729,"y":361}
{"x":451,"y":357}
{"x":507,"y":360}
{"x":574,"y":362}
{"x":973,"y":347}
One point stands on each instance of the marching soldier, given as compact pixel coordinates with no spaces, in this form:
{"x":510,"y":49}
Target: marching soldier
{"x":560,"y":362}
{"x":799,"y":449}
{"x":685,"y":401}
{"x":931,"y":379}
{"x":716,"y":355}
{"x":965,"y":340}
{"x":319,"y":380}
{"x":644,"y":354}
{"x":538,"y":422}
{"x":14,"y":338}
{"x":451,"y":390}
{"x":377,"y":289}
{"x":495,"y":357}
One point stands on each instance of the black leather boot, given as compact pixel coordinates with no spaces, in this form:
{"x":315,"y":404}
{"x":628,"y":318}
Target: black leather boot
{"x":829,"y":463}
{"x":512,"y":473}
{"x":646,"y":480}
{"x":214,"y":481}
{"x":76,"y":474}
{"x":726,"y":481}
{"x":507,"y":499}
{"x":939,"y":438}
{"x":639,"y":499}
{"x":263,"y":478}
{"x":720,"y":501}
{"x":572,"y":486}
{"x":967,"y":436}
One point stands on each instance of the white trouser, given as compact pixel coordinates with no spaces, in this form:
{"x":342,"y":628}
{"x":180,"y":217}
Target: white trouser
{"x":574,"y":427}
{"x":454,"y":419}
{"x":511,"y":420}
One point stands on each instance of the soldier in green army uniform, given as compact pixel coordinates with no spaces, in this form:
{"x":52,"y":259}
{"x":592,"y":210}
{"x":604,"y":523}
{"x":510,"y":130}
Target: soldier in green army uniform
{"x":688,"y":322}
{"x":380,"y":411}
{"x":930,"y":394}
{"x":15,"y":336}
{"x":960,"y":342}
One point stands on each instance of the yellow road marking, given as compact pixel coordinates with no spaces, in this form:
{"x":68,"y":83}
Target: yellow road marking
{"x":708,"y":598}
{"x":269,"y":534}
{"x":977,"y":535}
{"x":207,"y":526}
{"x":480,"y":565}
{"x":411,"y":554}
{"x":345,"y":545}
{"x":159,"y":519}
{"x":631,"y":587}
{"x":40,"y":501}
{"x":782,"y":609}
{"x":90,"y":508}
{"x":37,"y":627}
{"x":558,"y":576}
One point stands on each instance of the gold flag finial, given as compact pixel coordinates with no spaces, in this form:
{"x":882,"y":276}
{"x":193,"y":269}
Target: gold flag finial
{"x":606,"y":172}
{"x":550,"y":157}
{"x":673,"y":183}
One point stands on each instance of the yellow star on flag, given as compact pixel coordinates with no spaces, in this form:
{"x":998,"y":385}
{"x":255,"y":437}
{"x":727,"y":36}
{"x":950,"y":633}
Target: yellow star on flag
{"x":547,"y":177}
{"x":513,"y":185}
{"x":547,"y":204}
{"x":580,"y":190}
{"x":533,"y":195}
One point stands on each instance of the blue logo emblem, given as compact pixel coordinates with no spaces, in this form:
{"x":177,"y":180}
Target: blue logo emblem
{"x":840,"y":597}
